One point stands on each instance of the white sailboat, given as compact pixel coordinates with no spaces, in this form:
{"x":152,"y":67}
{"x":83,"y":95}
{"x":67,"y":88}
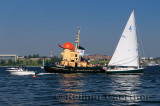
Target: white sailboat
{"x":125,"y":58}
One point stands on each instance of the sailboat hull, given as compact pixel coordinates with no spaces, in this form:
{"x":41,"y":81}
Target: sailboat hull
{"x":134,"y":71}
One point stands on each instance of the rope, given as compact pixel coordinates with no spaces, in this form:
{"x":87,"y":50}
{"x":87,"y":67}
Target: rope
{"x":141,"y":43}
{"x":127,"y":59}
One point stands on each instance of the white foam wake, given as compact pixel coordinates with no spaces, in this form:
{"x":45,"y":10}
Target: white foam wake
{"x":46,"y":73}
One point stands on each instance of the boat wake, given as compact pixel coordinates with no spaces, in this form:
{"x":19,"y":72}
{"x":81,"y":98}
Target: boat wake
{"x":46,"y":73}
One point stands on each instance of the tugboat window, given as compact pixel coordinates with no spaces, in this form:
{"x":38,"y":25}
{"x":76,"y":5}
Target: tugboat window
{"x":75,"y":55}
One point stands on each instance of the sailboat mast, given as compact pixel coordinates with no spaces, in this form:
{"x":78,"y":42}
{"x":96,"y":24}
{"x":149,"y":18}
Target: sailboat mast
{"x":77,"y":39}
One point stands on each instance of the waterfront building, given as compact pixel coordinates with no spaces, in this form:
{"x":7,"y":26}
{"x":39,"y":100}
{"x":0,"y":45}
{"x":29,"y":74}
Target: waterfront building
{"x":6,"y":57}
{"x":98,"y":57}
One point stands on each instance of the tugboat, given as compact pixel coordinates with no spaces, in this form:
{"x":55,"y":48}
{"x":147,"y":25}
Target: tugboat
{"x":73,"y":61}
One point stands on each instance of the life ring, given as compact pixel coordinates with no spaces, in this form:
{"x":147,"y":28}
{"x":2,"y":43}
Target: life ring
{"x":104,"y":68}
{"x":70,"y":64}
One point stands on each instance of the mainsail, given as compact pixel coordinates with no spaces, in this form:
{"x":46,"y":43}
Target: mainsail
{"x":126,"y":53}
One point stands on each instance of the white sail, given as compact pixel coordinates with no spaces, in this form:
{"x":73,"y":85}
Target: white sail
{"x":126,"y":53}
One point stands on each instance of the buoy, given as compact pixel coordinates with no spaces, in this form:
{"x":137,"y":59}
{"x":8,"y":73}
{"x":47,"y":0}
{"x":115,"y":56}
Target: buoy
{"x":34,"y":76}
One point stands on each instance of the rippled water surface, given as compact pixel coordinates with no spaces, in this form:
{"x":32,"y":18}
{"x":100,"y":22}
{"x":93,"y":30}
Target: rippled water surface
{"x":80,"y":89}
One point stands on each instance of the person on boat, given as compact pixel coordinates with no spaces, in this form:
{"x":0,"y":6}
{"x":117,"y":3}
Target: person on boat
{"x":24,"y":69}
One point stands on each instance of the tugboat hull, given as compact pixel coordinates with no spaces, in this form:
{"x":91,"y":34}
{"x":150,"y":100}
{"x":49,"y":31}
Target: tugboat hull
{"x":68,"y":69}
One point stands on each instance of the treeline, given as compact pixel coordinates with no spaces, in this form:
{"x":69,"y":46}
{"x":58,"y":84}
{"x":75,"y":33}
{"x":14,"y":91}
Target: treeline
{"x":29,"y":62}
{"x":34,"y":56}
{"x":157,"y":58}
{"x":100,"y":62}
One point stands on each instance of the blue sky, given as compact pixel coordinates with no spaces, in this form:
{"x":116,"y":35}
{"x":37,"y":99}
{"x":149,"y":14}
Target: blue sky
{"x":37,"y":26}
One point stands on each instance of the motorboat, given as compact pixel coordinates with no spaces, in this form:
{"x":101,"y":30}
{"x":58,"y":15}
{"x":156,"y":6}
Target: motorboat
{"x":20,"y":71}
{"x":14,"y":69}
{"x":23,"y":72}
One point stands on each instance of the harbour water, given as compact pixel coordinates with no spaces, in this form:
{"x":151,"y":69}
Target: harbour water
{"x":80,"y":89}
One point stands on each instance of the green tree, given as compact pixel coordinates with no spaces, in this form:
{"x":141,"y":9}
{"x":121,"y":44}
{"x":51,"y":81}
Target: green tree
{"x":2,"y":61}
{"x":44,"y":57}
{"x":39,"y":61}
{"x":46,"y":61}
{"x":27,"y":63}
{"x":17,"y":62}
{"x":14,"y":63}
{"x":55,"y":59}
{"x":10,"y":61}
{"x":21,"y":62}
{"x":30,"y":56}
{"x":30,"y":61}
{"x":35,"y":56}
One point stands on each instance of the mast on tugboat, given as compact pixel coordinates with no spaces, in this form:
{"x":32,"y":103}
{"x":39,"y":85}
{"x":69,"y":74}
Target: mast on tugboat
{"x":77,"y":40}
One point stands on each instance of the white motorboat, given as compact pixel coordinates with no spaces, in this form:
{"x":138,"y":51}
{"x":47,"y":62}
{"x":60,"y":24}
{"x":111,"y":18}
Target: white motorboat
{"x":23,"y":73}
{"x":14,"y":69}
{"x":20,"y":71}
